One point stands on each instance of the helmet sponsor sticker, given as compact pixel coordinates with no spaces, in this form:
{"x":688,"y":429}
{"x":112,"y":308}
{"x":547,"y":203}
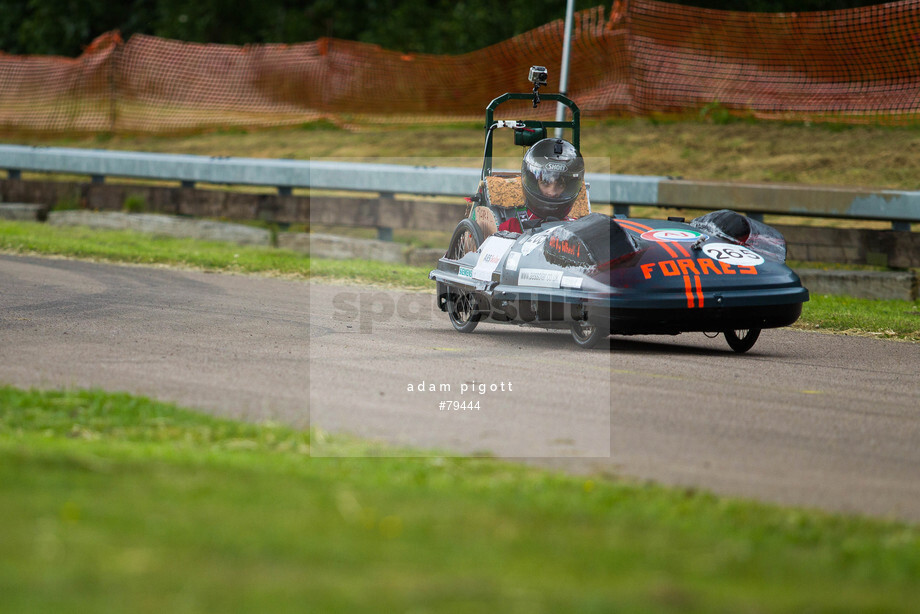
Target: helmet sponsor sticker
{"x":465,"y":272}
{"x":556,"y":166}
{"x":672,"y":234}
{"x":512,"y":262}
{"x":540,"y":278}
{"x":736,"y":255}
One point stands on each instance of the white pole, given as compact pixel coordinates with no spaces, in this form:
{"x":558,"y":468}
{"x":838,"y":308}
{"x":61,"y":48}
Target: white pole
{"x":564,"y":72}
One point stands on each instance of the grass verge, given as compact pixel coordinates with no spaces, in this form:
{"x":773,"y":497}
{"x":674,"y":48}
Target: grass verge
{"x":109,"y":499}
{"x":138,"y":248}
{"x":887,"y":319}
{"x":865,"y":317}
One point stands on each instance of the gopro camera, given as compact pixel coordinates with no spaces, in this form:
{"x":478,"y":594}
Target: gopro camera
{"x":537,"y":75}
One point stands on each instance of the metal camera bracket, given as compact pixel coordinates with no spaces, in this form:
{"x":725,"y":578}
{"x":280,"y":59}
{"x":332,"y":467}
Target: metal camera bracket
{"x":537,"y":76}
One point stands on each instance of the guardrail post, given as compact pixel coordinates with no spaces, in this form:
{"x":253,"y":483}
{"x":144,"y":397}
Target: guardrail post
{"x":901,"y":226}
{"x":188,"y":184}
{"x":621,"y":210}
{"x":385,"y":233}
{"x":13,"y":173}
{"x":97,"y":179}
{"x":757,"y":217}
{"x":285,"y":190}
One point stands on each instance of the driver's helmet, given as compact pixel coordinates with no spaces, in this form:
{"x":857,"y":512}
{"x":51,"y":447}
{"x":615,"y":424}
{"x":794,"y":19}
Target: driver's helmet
{"x":552,"y":175}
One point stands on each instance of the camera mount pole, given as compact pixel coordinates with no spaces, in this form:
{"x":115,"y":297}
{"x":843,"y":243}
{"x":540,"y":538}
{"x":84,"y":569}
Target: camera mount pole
{"x":564,"y":71}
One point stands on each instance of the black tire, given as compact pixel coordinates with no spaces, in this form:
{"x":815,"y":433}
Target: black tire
{"x":587,"y":335}
{"x":462,"y":310}
{"x":467,"y":238}
{"x":741,"y":340}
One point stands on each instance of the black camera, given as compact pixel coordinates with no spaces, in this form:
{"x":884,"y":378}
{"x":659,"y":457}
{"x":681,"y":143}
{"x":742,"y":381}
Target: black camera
{"x":537,"y":75}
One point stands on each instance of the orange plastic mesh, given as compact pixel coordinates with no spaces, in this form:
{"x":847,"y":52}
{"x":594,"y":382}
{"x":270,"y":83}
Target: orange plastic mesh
{"x":60,"y":94}
{"x":638,"y":57}
{"x":854,"y":64}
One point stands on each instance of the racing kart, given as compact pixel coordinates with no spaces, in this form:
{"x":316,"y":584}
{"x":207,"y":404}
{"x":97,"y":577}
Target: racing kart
{"x":599,"y":275}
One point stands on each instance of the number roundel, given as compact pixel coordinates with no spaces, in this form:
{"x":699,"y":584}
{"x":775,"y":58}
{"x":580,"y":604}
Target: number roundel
{"x":736,"y":255}
{"x":667,"y":235}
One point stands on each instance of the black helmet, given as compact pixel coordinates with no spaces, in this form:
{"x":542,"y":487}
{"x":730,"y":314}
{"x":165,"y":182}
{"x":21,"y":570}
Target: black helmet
{"x":552,"y":175}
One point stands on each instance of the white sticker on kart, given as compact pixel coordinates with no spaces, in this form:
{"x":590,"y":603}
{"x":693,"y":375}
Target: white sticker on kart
{"x":572,"y":282}
{"x":514,"y":258}
{"x":667,"y":235}
{"x":736,"y":255}
{"x":490,"y":254}
{"x":535,"y":241}
{"x":539,"y":278}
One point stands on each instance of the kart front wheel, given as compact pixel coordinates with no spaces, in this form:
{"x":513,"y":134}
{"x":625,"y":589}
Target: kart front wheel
{"x":587,"y":335}
{"x":742,"y":340}
{"x":467,"y":238}
{"x":463,"y":310}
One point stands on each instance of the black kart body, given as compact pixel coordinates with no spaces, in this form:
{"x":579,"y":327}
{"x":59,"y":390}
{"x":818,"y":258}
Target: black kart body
{"x":626,"y":276}
{"x":596,"y":275}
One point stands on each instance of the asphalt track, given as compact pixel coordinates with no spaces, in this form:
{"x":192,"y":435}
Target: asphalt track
{"x":811,"y":419}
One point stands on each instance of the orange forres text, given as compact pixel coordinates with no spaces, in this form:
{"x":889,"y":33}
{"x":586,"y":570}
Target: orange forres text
{"x":688,"y":266}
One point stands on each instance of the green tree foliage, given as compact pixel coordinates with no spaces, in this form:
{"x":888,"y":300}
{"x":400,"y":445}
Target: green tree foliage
{"x":65,"y":27}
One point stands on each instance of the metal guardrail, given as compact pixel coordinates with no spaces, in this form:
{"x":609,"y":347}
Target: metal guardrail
{"x":896,"y":206}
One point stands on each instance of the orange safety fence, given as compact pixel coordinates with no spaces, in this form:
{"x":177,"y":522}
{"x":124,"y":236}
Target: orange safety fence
{"x":636,"y":57}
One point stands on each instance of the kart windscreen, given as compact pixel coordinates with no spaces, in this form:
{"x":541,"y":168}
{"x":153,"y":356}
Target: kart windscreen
{"x":595,"y":239}
{"x":738,"y":228}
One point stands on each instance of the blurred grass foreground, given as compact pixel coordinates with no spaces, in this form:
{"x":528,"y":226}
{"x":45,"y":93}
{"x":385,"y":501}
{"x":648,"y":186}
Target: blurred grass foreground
{"x":112,"y":502}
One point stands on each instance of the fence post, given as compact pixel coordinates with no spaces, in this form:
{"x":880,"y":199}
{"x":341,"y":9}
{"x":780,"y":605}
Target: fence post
{"x":113,"y":88}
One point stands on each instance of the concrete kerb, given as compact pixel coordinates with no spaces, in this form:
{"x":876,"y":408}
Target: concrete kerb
{"x":346,"y":248}
{"x":164,"y":225}
{"x":320,"y":245}
{"x":23,"y":212}
{"x":901,"y":285}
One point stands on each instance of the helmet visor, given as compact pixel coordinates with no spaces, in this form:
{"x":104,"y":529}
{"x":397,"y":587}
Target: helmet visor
{"x":551,"y":187}
{"x":554,"y":185}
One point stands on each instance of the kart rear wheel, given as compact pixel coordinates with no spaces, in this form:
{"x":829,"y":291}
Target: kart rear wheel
{"x":587,"y":335}
{"x":462,"y":310}
{"x":467,"y":238}
{"x":742,"y":340}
